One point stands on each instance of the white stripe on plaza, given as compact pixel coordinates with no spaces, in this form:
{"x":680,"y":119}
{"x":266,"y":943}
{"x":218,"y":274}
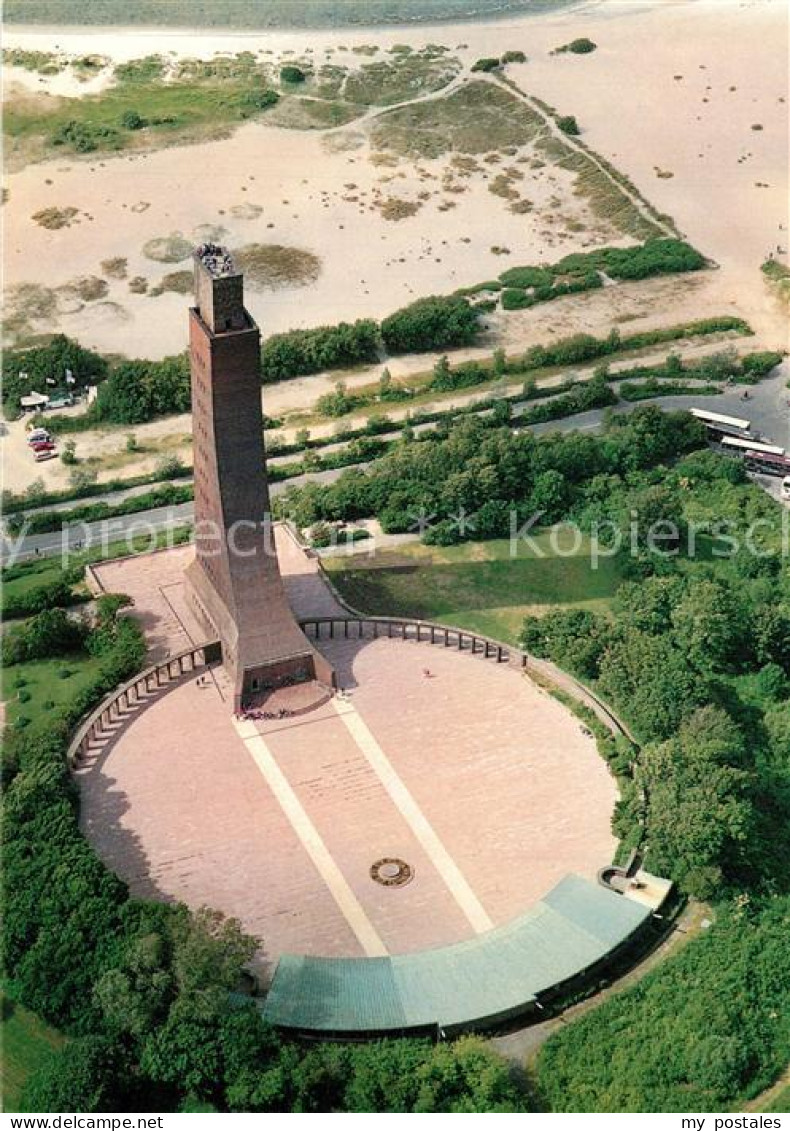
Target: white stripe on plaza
{"x":304,"y":828}
{"x":414,"y":816}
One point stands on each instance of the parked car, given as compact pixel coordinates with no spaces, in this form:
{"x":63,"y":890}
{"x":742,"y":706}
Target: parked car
{"x":43,"y":446}
{"x":38,"y":435}
{"x":40,"y":456}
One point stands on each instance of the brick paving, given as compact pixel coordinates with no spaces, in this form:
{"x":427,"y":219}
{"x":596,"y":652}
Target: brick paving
{"x":155,"y":584}
{"x":359,"y":824}
{"x":513,"y":787}
{"x":177,"y":807}
{"x":504,"y":775}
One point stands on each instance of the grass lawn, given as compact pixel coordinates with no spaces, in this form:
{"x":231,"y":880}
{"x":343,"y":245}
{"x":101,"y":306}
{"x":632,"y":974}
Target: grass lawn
{"x":781,"y":1102}
{"x":48,"y":684}
{"x":27,"y":1042}
{"x":476,"y":585}
{"x":170,"y":111}
{"x":20,"y":578}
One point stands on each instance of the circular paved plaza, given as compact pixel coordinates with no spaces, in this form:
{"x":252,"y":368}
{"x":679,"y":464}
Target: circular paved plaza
{"x":454,"y":774}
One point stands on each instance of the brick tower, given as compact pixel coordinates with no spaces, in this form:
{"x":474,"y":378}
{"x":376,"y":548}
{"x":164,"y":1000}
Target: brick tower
{"x":234,"y":584}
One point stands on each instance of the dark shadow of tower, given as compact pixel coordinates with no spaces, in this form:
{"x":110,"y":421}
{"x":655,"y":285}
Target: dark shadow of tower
{"x":234,"y":584}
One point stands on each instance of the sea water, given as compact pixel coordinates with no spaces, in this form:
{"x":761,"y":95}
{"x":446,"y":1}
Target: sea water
{"x":268,"y":13}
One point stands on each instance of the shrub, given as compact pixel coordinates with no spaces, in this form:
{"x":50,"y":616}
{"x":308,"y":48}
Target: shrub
{"x":527,"y":277}
{"x":569,"y":125}
{"x":49,"y":633}
{"x":777,"y":272}
{"x":338,"y":402}
{"x":486,"y":64}
{"x":292,"y":74}
{"x":515,"y":299}
{"x":431,"y":324}
{"x":82,"y":478}
{"x":85,"y":137}
{"x":656,"y":257}
{"x":169,"y":466}
{"x":165,"y":495}
{"x":755,"y":366}
{"x":581,"y":46}
{"x":513,"y":57}
{"x":321,"y":534}
{"x":299,"y":352}
{"x":56,"y":594}
{"x":131,"y":120}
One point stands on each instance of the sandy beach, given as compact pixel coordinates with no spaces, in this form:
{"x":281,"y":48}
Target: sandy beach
{"x":688,"y":98}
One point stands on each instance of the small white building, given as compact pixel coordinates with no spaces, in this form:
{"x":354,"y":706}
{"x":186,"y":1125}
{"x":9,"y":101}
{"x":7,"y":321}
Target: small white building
{"x":34,"y":402}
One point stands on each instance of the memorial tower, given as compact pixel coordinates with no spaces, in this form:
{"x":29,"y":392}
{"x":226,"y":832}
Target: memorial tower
{"x":234,"y":584}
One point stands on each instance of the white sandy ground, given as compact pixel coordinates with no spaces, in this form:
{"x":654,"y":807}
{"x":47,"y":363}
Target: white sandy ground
{"x":369,"y":266}
{"x":630,"y":104}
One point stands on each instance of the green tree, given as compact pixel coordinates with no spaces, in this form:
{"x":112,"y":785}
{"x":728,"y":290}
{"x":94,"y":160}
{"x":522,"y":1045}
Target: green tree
{"x":699,"y":811}
{"x":550,"y":495}
{"x":30,"y":368}
{"x":467,"y":1077}
{"x":52,"y":632}
{"x":131,"y":120}
{"x":91,"y":1074}
{"x":707,"y":625}
{"x":650,"y":680}
{"x":442,"y":374}
{"x":290,"y":73}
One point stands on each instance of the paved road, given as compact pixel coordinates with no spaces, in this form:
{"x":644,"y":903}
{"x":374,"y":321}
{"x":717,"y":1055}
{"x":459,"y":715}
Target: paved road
{"x":122,"y":493}
{"x":766,"y":408}
{"x":111,"y":530}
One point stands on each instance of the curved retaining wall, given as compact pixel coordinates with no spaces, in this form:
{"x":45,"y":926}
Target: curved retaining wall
{"x":136,"y":691}
{"x":360,"y":627}
{"x":355,"y":626}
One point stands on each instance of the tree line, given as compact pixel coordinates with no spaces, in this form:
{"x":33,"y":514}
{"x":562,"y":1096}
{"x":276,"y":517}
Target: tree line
{"x":705,"y":1030}
{"x":488,"y":471}
{"x":134,"y":391}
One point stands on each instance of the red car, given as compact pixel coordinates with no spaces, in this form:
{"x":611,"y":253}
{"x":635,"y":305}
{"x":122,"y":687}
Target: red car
{"x":43,"y":446}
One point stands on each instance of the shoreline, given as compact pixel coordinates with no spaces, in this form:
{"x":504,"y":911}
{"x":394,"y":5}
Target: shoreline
{"x":222,"y":39}
{"x":552,"y":7}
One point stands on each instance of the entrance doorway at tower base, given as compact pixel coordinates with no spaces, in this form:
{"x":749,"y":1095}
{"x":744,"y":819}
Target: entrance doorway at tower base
{"x":286,"y":702}
{"x":255,"y":684}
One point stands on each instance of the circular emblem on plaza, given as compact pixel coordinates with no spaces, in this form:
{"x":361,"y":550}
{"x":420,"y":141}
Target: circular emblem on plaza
{"x":391,"y":872}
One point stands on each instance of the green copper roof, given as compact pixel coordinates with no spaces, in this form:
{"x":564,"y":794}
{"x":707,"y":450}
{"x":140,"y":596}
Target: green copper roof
{"x":486,"y":978}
